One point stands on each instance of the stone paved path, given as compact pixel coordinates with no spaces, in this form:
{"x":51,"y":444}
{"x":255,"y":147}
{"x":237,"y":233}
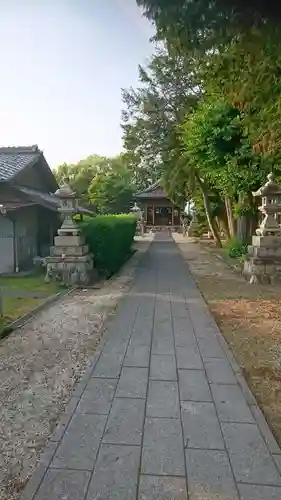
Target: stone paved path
{"x":161,"y":414}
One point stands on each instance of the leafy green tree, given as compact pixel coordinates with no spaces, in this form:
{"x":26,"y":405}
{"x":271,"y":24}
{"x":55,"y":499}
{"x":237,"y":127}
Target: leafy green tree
{"x":217,"y":146}
{"x":113,"y":189}
{"x":168,"y":90}
{"x":80,"y":175}
{"x":238,"y":50}
{"x":202,"y":23}
{"x":106,"y":183}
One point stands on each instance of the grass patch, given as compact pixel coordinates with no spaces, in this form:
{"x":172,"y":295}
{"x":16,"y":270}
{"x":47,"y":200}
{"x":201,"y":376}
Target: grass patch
{"x":15,"y":307}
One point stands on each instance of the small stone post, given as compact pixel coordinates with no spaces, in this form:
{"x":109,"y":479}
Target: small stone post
{"x":263,"y":261}
{"x":70,"y":261}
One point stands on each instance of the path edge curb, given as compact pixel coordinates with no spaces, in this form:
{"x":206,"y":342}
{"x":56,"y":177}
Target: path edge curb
{"x":48,"y":451}
{"x":257,"y":413}
{"x":18,"y":323}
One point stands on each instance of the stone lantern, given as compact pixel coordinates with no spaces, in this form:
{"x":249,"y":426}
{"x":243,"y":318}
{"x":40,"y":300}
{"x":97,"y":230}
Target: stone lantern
{"x":193,"y":230}
{"x":138,"y":213}
{"x":70,"y":261}
{"x":263,"y":260}
{"x":68,"y":208}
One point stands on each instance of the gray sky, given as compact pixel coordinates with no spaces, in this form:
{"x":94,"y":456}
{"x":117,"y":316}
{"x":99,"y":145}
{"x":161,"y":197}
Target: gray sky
{"x":63,"y":63}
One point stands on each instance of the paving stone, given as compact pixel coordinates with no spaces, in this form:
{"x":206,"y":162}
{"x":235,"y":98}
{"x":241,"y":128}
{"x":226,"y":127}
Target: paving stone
{"x":163,"y":399}
{"x":80,"y":443}
{"x":116,"y":473}
{"x":249,"y":456}
{"x":65,"y":418}
{"x":163,"y":328}
{"x":188,"y":358}
{"x":209,"y":476}
{"x":125,"y":422}
{"x":163,"y":345}
{"x":141,"y":333}
{"x":194,"y":386}
{"x":163,"y":447}
{"x":162,"y":314}
{"x":184,"y":333}
{"x":132,"y":383}
{"x":162,"y":488}
{"x":98,"y":396}
{"x":265,"y":430}
{"x":219,"y":372}
{"x":231,"y":404}
{"x":201,"y":426}
{"x":109,"y":365}
{"x":210,"y":348}
{"x":245,"y":389}
{"x":116,"y":345}
{"x":203,"y":327}
{"x":137,"y":355}
{"x":179,"y":309}
{"x":146,"y":306}
{"x":163,"y":367}
{"x":255,"y":492}
{"x":277,"y":459}
{"x":40,"y":471}
{"x":61,"y":427}
{"x":64,"y":484}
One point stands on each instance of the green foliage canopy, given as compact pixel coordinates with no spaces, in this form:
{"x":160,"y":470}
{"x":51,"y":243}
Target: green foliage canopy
{"x":168,"y":90}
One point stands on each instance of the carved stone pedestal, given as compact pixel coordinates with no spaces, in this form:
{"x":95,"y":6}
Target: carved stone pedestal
{"x":263,"y":261}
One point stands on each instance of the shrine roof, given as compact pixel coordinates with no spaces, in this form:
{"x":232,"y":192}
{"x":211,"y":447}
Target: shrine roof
{"x":155,"y":191}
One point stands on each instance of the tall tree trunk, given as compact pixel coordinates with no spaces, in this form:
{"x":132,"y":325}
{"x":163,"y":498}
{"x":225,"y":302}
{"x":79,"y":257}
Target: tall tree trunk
{"x":242,"y":229}
{"x":245,"y":222}
{"x":230,"y":217}
{"x":225,"y":226}
{"x":211,"y":222}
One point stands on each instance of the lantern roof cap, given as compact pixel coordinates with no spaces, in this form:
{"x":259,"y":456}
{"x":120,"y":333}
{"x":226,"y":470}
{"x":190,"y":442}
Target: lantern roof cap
{"x":135,"y":208}
{"x":270,"y":187}
{"x":65,"y":191}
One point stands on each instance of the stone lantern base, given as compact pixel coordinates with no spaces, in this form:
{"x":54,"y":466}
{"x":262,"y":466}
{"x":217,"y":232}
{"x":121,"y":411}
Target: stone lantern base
{"x":70,"y":262}
{"x":263,"y":261}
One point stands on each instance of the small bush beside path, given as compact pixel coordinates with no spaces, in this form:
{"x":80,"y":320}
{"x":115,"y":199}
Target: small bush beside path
{"x":110,"y":239}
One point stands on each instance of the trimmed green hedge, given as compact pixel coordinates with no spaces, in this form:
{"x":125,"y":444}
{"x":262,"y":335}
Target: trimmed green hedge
{"x":110,"y":238}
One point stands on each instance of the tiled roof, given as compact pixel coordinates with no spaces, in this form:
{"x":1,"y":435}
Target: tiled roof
{"x":48,"y":200}
{"x":15,"y":159}
{"x":154,"y":191}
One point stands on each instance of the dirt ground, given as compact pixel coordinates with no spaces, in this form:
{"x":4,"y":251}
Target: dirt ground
{"x":39,"y":366}
{"x":249,"y":317}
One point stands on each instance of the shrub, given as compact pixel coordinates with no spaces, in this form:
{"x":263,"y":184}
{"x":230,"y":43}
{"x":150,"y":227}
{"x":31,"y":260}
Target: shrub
{"x":236,"y":250}
{"x":110,"y":239}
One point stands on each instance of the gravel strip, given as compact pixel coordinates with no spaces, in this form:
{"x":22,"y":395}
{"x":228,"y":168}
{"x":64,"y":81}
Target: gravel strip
{"x":39,"y":366}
